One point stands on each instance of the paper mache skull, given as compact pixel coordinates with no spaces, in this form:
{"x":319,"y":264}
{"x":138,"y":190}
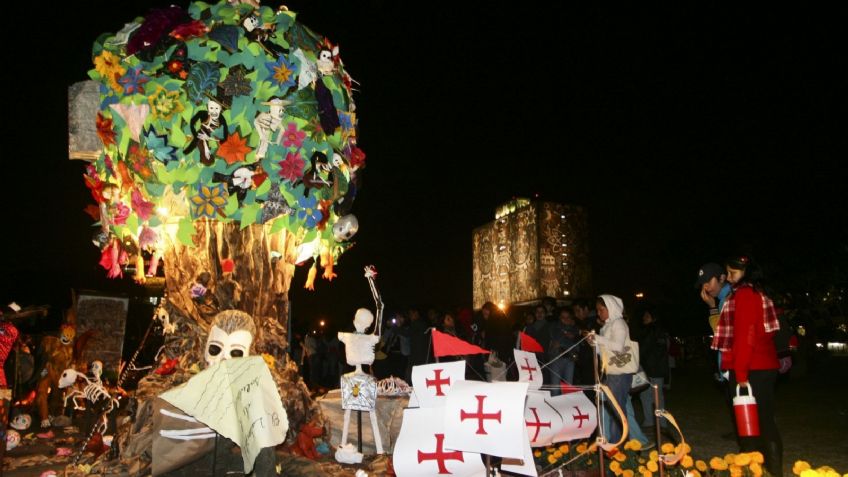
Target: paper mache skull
{"x":96,"y":369}
{"x":12,"y":439}
{"x":21,"y":422}
{"x":230,"y":336}
{"x":345,"y":228}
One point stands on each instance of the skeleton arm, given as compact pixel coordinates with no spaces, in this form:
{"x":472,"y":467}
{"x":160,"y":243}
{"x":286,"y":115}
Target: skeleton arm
{"x":370,"y":275}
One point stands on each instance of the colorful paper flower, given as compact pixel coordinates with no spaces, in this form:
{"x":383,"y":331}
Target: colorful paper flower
{"x":139,"y":159}
{"x":104,"y":130}
{"x":243,"y":178}
{"x":293,"y":136}
{"x":121,"y":214}
{"x":357,"y":158}
{"x":282,"y":72}
{"x":236,"y":84}
{"x":142,"y":208}
{"x":109,"y":67}
{"x":147,"y":238}
{"x":158,"y":145}
{"x":208,"y":201}
{"x":292,"y":167}
{"x":194,"y":28}
{"x":164,"y":104}
{"x":133,"y":81}
{"x":234,"y":149}
{"x":308,"y":211}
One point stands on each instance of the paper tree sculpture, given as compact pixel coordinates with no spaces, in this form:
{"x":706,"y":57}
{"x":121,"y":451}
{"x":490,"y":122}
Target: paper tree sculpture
{"x":227,"y":149}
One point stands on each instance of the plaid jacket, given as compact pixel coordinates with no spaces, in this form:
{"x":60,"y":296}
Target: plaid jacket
{"x":723,"y":338}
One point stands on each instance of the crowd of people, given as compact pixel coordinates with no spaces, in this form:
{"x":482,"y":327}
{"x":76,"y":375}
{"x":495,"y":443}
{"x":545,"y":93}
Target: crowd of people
{"x":580,"y":340}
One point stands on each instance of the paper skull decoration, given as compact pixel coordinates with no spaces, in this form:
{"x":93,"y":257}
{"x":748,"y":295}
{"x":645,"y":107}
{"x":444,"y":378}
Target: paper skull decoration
{"x":230,"y":336}
{"x":21,"y":422}
{"x":12,"y":439}
{"x":96,"y":369}
{"x":345,"y":228}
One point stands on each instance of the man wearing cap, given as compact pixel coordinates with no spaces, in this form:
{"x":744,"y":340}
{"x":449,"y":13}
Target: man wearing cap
{"x":712,"y":282}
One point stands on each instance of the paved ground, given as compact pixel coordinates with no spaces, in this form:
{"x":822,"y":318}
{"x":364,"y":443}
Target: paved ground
{"x":812,"y":413}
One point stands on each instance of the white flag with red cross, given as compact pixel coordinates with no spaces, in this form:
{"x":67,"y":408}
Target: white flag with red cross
{"x":578,"y":414}
{"x":486,"y":418}
{"x":529,"y":370}
{"x":543,"y":422}
{"x":420,"y":448}
{"x":525,"y":466}
{"x":433,"y":381}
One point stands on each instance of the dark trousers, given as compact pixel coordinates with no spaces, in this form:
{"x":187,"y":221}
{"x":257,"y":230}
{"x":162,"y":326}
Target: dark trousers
{"x":769,"y":442}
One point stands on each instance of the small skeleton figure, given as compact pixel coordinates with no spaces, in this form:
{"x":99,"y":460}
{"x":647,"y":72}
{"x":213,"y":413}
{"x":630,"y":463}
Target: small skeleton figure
{"x":269,"y":123}
{"x":93,"y":390}
{"x":327,"y":58}
{"x":359,"y":390}
{"x":209,"y":121}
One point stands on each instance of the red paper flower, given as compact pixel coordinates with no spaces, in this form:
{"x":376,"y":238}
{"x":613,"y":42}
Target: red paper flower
{"x":195,"y":28}
{"x":93,"y":211}
{"x":293,"y":136}
{"x":234,"y":149}
{"x":141,"y":207}
{"x":104,"y":130}
{"x":357,"y":157}
{"x":95,"y":185}
{"x":121,"y":214}
{"x":292,"y":167}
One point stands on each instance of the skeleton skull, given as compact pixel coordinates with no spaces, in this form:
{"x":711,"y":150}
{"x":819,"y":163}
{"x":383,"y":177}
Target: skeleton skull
{"x":230,"y":337}
{"x":362,"y":319}
{"x":250,"y":23}
{"x":68,"y":378}
{"x":96,"y":369}
{"x":345,"y":228}
{"x":214,"y":109}
{"x":21,"y":422}
{"x":12,"y":439}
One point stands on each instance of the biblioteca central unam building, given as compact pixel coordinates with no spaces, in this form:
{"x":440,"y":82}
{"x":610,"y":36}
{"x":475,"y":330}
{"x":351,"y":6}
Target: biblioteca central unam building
{"x":531,"y":250}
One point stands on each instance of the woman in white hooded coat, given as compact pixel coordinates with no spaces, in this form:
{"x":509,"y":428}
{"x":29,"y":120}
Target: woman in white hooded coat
{"x":613,"y":336}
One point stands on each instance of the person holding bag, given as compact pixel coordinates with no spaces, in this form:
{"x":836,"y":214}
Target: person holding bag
{"x":620,"y":360}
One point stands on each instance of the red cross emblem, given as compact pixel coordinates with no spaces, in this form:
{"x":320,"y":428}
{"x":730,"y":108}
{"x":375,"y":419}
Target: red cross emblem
{"x":538,"y":424}
{"x":480,"y":416}
{"x":528,"y":368}
{"x":440,"y":456}
{"x":580,"y":417}
{"x":437,"y":382}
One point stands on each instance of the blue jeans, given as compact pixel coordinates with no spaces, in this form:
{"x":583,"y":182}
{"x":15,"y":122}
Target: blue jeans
{"x":635,"y":431}
{"x":561,"y":369}
{"x":619,"y":384}
{"x":647,"y":398}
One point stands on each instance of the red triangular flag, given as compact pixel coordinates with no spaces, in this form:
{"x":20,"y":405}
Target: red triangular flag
{"x":447,"y":345}
{"x":528,"y":343}
{"x":566,"y":388}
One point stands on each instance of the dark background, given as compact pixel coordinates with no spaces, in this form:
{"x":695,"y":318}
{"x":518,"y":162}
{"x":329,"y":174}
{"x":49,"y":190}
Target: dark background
{"x":688,"y":132}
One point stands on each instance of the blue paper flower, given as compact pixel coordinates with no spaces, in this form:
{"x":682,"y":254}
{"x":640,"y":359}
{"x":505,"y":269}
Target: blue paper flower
{"x":133,"y":81}
{"x":158,"y":145}
{"x":308,"y":210}
{"x":282,"y":72}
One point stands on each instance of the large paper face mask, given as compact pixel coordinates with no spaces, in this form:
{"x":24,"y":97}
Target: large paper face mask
{"x":221,"y":346}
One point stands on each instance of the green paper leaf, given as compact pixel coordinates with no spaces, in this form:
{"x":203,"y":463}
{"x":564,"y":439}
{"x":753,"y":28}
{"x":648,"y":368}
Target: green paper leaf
{"x":154,"y":221}
{"x":279,"y":224}
{"x":132,"y":223}
{"x":155,"y":190}
{"x":264,"y":188}
{"x":186,"y":231}
{"x":232,"y":206}
{"x":249,"y":214}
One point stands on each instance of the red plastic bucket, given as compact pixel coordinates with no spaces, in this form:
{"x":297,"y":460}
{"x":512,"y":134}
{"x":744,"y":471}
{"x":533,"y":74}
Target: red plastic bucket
{"x":747,"y":419}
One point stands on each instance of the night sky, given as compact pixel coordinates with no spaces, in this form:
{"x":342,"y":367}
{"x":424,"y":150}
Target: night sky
{"x":688,"y":132}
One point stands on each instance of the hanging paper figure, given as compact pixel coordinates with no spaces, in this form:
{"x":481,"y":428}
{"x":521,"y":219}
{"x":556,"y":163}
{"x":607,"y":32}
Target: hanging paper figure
{"x":203,"y":126}
{"x":267,"y":124}
{"x":308,"y":70}
{"x":317,"y":176}
{"x":261,"y":33}
{"x":327,"y":58}
{"x":327,"y":113}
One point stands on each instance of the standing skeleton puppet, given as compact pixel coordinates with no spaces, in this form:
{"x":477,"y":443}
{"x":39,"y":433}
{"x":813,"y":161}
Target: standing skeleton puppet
{"x":359,"y":390}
